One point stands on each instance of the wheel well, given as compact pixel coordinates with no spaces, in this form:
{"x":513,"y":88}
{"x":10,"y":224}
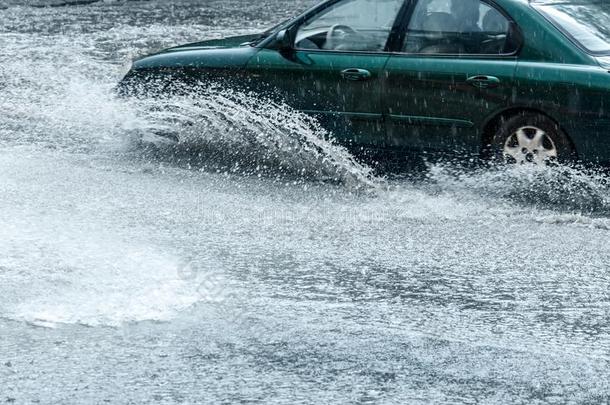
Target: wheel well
{"x":490,"y":128}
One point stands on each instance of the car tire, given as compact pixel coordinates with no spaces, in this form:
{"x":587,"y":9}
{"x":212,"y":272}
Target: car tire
{"x":530,"y":138}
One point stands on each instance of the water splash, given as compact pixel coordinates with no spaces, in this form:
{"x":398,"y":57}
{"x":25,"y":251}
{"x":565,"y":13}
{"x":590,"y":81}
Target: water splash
{"x":223,"y":130}
{"x":61,"y":119}
{"x":219,"y":130}
{"x":563,"y":189}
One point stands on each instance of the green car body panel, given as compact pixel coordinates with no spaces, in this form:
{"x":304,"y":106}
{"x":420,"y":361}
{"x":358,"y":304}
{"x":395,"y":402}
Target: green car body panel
{"x":417,"y":101}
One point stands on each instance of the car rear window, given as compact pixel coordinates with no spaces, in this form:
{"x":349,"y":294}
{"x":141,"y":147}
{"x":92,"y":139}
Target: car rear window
{"x":585,"y":21}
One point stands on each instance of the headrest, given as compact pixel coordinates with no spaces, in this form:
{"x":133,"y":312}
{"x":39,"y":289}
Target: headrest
{"x":495,"y":22}
{"x":435,"y":24}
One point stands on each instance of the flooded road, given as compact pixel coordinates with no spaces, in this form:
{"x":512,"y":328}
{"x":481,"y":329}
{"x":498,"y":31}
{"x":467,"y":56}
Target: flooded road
{"x":283,"y":271}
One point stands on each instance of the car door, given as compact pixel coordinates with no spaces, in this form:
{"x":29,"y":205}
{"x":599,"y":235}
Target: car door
{"x":334,"y":70}
{"x":454,"y":69}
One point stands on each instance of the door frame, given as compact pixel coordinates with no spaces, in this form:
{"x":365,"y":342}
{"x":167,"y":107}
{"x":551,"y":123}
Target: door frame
{"x":295,"y":56}
{"x":396,"y":47}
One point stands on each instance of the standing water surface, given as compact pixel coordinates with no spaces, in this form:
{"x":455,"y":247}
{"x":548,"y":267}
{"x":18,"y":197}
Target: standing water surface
{"x":281,"y":272}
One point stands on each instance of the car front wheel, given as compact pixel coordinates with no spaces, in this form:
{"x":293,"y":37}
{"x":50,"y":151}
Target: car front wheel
{"x":530,"y":138}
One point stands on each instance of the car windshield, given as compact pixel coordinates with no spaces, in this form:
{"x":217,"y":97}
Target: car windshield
{"x":586,"y":21}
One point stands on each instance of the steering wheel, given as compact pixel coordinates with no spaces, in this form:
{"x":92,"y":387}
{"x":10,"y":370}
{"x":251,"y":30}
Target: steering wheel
{"x":332,"y":37}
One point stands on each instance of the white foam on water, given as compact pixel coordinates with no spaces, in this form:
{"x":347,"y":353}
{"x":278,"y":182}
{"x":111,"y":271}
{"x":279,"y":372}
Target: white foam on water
{"x":66,"y":275}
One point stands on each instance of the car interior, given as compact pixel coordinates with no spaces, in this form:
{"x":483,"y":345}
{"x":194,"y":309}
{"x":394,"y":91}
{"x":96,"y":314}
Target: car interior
{"x":456,"y":27}
{"x":436,"y":27}
{"x":350,"y":25}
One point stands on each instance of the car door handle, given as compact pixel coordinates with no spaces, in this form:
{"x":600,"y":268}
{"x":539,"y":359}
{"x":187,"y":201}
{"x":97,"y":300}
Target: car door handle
{"x":483,"y":81}
{"x":356,"y":74}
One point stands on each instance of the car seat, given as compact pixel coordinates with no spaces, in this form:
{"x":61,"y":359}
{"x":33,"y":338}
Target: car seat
{"x":495,"y":27}
{"x":439,"y":35}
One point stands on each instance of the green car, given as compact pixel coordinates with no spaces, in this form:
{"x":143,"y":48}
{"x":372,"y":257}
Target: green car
{"x":520,"y":80}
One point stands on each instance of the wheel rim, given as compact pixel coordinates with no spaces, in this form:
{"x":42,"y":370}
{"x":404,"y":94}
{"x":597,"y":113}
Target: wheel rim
{"x":530,"y":145}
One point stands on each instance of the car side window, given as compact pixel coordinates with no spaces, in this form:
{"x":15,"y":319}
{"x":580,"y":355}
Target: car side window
{"x":350,"y":25}
{"x":458,"y":27}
